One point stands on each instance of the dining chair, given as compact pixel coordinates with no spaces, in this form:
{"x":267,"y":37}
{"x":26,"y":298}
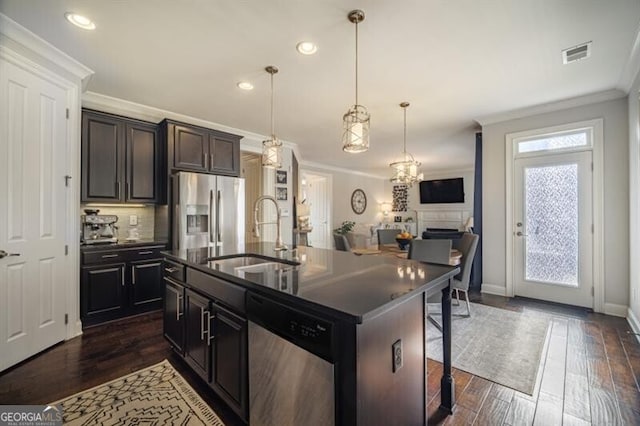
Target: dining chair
{"x":468,"y":246}
{"x":432,"y":251}
{"x":387,"y":236}
{"x":341,"y":242}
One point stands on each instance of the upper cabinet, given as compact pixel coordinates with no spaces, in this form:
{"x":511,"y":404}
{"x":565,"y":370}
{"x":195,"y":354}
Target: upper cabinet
{"x":121,"y":159}
{"x":198,"y":149}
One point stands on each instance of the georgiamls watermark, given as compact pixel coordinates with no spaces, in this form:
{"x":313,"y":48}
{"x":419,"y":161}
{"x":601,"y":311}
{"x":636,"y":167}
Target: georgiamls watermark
{"x":30,"y":415}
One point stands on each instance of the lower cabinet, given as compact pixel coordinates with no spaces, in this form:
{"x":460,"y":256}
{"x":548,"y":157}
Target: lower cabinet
{"x":118,"y":283}
{"x":212,"y":340}
{"x":102,"y":291}
{"x":174,"y":314}
{"x":229,"y":358}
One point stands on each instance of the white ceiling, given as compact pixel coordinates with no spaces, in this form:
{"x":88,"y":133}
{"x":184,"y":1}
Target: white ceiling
{"x":453,"y":61}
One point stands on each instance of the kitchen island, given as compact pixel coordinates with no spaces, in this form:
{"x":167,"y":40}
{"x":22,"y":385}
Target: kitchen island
{"x":308,"y":336}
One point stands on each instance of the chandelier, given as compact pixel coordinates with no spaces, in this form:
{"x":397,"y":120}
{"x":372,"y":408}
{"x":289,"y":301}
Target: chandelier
{"x":272,"y":147}
{"x":405,"y":171}
{"x":355,"y":136}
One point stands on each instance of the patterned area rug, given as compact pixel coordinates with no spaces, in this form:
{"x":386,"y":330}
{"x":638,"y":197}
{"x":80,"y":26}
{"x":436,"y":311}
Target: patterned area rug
{"x":156,"y":395}
{"x":499,"y":345}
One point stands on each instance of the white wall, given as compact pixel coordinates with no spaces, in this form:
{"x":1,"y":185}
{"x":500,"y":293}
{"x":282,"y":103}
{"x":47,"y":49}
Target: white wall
{"x":634,"y":204}
{"x":616,"y":190}
{"x":344,"y":184}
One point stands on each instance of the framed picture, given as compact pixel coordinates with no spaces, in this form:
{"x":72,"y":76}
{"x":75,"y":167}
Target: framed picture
{"x":397,"y":218}
{"x":281,"y":194}
{"x":281,"y":177}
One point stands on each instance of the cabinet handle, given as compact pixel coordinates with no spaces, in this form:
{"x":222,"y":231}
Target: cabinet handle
{"x":133,"y":274}
{"x":204,"y":160}
{"x":208,"y":330}
{"x":212,"y":332}
{"x":122,"y":276}
{"x":170,"y":270}
{"x":211,"y":161}
{"x":145,"y":252}
{"x":107,"y":256}
{"x":178,"y":301}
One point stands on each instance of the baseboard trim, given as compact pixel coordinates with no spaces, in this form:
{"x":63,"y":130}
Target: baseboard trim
{"x":634,"y":323}
{"x":498,"y":290}
{"x":616,"y":310}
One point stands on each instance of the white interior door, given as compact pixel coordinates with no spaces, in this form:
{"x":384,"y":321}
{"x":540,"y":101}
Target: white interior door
{"x":553,"y":239}
{"x":317,"y":194}
{"x":33,"y":145}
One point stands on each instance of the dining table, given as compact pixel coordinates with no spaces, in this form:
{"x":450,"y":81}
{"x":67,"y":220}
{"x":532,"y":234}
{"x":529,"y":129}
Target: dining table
{"x":394,"y":250}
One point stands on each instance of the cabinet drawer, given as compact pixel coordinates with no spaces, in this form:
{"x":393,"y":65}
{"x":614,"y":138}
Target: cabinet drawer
{"x":174,"y":270}
{"x":229,"y":294}
{"x":103,"y":257}
{"x":122,"y":255}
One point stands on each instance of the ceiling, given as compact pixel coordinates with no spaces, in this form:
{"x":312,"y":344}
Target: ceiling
{"x":455,"y":62}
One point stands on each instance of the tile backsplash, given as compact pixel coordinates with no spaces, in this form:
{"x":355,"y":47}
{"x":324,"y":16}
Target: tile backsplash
{"x":145,"y":216}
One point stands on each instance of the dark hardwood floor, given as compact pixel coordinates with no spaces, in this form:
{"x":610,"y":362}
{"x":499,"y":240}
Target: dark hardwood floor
{"x":591,"y":371}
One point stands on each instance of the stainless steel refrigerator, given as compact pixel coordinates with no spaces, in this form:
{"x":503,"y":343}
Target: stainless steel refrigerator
{"x":209,"y":212}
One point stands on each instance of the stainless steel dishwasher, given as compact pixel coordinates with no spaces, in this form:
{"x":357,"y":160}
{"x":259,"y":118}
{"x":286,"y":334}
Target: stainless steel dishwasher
{"x":291,"y":374}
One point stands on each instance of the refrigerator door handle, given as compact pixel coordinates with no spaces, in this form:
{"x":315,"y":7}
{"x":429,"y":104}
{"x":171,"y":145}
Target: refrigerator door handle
{"x":211,"y":240}
{"x":218,"y":209}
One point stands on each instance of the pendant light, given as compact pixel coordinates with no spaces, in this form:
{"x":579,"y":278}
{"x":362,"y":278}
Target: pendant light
{"x":272,"y":147}
{"x":355,"y":136}
{"x":405,"y":171}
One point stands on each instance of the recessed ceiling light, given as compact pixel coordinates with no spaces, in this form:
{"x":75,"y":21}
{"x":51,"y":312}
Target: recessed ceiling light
{"x":245,"y":85}
{"x":80,"y":21}
{"x":307,"y":48}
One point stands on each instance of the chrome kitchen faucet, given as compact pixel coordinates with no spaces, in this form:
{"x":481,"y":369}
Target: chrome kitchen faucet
{"x":256,"y":232}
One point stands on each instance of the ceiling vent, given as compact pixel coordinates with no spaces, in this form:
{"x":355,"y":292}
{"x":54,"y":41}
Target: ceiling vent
{"x":576,"y":53}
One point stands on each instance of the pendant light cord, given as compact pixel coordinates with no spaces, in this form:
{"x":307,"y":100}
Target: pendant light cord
{"x":272,"y":121}
{"x":404,"y":145}
{"x":356,"y":62}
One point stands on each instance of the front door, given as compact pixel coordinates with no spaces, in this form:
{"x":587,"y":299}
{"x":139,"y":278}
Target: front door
{"x":33,"y":270}
{"x":553,"y":239}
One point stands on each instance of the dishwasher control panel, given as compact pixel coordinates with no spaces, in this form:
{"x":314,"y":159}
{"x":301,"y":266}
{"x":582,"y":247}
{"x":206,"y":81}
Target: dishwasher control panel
{"x":305,"y":330}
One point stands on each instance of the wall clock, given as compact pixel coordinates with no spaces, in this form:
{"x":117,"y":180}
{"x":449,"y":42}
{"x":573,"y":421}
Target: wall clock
{"x":358,"y":201}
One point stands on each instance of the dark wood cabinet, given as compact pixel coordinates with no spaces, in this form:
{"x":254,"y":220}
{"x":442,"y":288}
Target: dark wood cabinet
{"x":194,"y":148}
{"x":102,"y":157}
{"x":146,"y":283}
{"x":102,"y":292}
{"x":121,"y":159}
{"x":224,"y":156}
{"x":143,"y":158}
{"x":191,"y":148}
{"x":211,"y":337}
{"x":120,"y":282}
{"x":229,"y":358}
{"x":197,"y":345}
{"x":174,"y":314}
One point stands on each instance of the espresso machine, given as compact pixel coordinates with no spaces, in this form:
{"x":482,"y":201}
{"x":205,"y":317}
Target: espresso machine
{"x":98,"y":229}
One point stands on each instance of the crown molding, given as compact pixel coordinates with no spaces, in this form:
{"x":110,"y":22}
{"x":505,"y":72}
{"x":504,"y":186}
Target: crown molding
{"x":592,"y":98}
{"x":632,"y":67}
{"x":131,"y":109}
{"x":11,"y":30}
{"x":314,"y":165}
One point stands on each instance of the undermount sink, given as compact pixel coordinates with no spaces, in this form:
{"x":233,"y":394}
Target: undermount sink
{"x":249,"y":261}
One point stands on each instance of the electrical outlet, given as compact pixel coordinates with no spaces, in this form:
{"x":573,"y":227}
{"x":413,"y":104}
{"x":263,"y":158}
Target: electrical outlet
{"x":396,"y":350}
{"x":133,"y":219}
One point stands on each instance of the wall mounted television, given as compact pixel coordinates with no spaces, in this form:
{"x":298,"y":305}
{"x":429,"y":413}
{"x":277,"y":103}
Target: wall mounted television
{"x":442,"y":191}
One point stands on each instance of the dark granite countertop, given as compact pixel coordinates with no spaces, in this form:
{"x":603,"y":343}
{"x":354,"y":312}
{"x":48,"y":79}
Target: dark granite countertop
{"x":121,"y":244}
{"x":351,"y":286}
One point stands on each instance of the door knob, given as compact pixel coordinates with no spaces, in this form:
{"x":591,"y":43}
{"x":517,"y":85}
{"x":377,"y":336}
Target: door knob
{"x":5,"y":254}
{"x":520,"y":234}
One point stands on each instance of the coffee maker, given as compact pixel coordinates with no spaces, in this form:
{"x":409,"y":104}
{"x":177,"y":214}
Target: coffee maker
{"x":98,"y":229}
